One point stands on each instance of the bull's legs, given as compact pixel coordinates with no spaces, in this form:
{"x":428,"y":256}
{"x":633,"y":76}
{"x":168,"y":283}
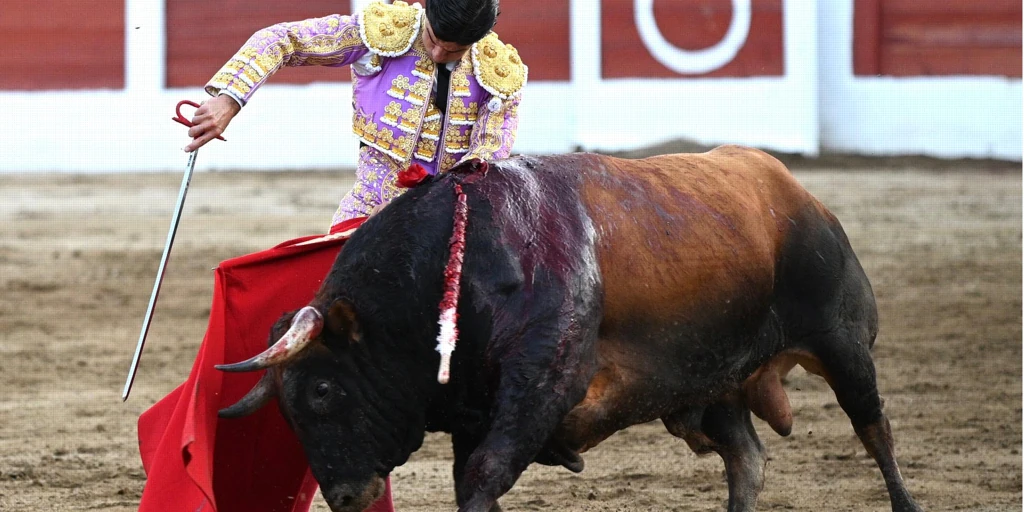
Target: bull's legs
{"x":850,"y":372}
{"x":533,"y":397}
{"x":726,"y":429}
{"x":463,"y":445}
{"x":828,"y":309}
{"x":523,"y":422}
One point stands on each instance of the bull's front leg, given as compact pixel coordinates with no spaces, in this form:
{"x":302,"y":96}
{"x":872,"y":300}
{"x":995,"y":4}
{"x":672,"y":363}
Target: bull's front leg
{"x":464,"y":443}
{"x":543,"y":374}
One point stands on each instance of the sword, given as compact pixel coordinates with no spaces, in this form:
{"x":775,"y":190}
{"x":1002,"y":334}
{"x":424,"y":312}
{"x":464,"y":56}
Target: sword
{"x":175,"y":218}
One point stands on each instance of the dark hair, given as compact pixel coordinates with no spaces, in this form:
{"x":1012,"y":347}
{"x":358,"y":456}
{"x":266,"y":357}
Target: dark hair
{"x":462,"y":22}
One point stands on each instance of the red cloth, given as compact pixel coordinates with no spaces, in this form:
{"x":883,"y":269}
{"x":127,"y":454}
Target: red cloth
{"x":196,"y":461}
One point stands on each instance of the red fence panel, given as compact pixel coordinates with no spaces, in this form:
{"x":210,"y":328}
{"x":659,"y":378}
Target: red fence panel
{"x":937,"y":37}
{"x":690,"y":25}
{"x":539,"y":29}
{"x":203,"y":35}
{"x":57,"y":44}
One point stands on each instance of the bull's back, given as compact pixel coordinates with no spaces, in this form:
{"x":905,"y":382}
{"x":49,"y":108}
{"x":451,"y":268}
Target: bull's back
{"x":682,"y":235}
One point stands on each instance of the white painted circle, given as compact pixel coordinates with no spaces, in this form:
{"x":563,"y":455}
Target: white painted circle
{"x":693,"y":61}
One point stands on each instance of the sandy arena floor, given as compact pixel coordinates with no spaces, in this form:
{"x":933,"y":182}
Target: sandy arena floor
{"x":941,"y":243}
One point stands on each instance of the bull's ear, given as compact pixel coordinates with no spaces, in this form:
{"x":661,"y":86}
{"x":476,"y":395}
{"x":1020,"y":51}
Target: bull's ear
{"x":341,"y":320}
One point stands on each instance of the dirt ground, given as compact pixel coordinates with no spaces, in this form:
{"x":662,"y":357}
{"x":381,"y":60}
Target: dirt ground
{"x":941,"y":242}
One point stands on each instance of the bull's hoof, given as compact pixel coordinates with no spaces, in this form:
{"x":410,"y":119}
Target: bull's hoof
{"x":555,"y":454}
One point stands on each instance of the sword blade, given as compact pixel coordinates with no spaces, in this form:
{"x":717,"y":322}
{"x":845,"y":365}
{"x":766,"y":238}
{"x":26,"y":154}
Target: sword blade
{"x":185,"y":180}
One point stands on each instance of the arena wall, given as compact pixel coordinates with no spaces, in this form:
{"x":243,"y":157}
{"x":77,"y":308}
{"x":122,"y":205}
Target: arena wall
{"x":935,"y":78}
{"x":803,"y":76}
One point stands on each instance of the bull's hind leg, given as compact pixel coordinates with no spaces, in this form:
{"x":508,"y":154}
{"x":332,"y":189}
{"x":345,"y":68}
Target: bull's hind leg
{"x":726,"y":429}
{"x":828,"y":309}
{"x":850,"y":372}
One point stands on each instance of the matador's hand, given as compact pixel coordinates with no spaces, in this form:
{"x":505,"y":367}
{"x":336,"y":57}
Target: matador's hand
{"x":210,"y":120}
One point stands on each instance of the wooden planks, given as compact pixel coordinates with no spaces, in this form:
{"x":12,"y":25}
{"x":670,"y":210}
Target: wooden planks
{"x":691,"y":25}
{"x":203,"y":35}
{"x":539,"y":29}
{"x":937,"y":37}
{"x":56,"y":44}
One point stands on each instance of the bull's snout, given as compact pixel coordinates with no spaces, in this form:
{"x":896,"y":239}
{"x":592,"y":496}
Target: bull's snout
{"x":353,"y":497}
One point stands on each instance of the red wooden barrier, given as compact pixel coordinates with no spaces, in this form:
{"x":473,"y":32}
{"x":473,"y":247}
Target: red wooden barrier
{"x":57,"y":44}
{"x":203,"y":35}
{"x":937,"y":37}
{"x":690,"y":25}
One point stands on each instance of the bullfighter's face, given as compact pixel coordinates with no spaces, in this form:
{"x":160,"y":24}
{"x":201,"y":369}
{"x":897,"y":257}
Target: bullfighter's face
{"x":441,"y":52}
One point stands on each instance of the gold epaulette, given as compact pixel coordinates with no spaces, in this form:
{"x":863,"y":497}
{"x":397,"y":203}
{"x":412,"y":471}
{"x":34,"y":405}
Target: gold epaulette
{"x":497,"y":67}
{"x":390,"y":29}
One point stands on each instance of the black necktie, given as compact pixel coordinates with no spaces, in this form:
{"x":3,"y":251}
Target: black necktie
{"x":444,"y":78}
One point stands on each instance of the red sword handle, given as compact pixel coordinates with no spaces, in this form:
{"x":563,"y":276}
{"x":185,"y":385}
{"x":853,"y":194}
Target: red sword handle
{"x":178,"y":118}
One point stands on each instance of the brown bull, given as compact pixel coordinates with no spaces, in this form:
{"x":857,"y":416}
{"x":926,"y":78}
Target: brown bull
{"x":596,"y":293}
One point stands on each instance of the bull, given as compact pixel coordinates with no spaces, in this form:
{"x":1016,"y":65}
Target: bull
{"x":595,"y":293}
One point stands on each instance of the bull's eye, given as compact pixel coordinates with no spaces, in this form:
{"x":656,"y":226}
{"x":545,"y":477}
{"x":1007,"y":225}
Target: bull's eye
{"x":323,"y":395}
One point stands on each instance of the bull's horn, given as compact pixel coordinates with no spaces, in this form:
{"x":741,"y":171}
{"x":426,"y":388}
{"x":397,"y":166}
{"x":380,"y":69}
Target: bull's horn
{"x":306,"y":325}
{"x":257,"y":397}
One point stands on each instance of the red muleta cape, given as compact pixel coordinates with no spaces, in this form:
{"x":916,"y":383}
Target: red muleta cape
{"x":196,"y":461}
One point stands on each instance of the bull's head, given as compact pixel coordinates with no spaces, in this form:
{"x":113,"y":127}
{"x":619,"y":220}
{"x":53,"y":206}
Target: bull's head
{"x":354,"y":418}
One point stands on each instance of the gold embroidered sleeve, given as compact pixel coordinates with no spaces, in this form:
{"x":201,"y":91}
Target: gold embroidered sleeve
{"x":495,"y":129}
{"x":329,"y":41}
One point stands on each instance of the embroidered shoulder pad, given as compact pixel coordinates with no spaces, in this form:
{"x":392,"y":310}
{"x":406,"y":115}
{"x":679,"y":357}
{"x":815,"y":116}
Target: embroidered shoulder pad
{"x":497,"y":67}
{"x":390,"y":29}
